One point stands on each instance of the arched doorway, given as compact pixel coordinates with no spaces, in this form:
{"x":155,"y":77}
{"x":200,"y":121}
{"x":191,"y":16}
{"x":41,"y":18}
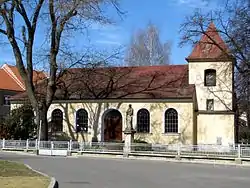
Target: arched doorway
{"x":112,"y":126}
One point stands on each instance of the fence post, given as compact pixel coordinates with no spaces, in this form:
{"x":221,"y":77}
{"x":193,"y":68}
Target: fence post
{"x":238,"y":159}
{"x":82,"y":146}
{"x":3,"y":143}
{"x":38,"y":144}
{"x":239,"y":151}
{"x":36,"y":147}
{"x":51,"y":147}
{"x":69,"y":148}
{"x":70,"y":145}
{"x":178,"y":157}
{"x":27,"y":145}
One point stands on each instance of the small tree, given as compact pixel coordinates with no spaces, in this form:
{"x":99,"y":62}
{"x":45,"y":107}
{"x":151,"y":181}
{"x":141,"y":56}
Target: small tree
{"x":146,"y":48}
{"x":19,"y":124}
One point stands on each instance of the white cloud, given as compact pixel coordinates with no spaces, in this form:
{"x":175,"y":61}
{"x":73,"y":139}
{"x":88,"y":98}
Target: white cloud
{"x":108,"y":42}
{"x":192,"y":3}
{"x":106,"y":34}
{"x":103,"y":27}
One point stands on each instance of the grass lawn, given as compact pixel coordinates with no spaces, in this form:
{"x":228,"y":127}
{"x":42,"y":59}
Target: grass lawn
{"x":15,"y":175}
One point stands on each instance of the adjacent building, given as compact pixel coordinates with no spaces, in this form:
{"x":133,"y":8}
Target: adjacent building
{"x":11,"y":84}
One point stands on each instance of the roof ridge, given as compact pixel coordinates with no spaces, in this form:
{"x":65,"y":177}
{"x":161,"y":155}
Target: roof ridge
{"x":7,"y":69}
{"x":144,"y":66}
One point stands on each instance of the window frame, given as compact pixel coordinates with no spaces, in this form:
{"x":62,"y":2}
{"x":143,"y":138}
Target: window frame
{"x":144,"y":127}
{"x":86,"y":119}
{"x":55,"y":128}
{"x":165,"y":122}
{"x":208,"y":103}
{"x":4,"y":100}
{"x":214,"y":74}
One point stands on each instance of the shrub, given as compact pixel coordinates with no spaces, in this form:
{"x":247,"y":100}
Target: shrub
{"x":19,"y":124}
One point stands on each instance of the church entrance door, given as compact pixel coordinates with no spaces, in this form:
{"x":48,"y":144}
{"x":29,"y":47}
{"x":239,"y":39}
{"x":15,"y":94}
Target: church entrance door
{"x":112,"y":126}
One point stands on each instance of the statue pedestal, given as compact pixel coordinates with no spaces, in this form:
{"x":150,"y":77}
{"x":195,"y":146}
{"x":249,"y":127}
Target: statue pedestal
{"x":129,"y":139}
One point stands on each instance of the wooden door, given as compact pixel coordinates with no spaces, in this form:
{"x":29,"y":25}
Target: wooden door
{"x":113,"y":126}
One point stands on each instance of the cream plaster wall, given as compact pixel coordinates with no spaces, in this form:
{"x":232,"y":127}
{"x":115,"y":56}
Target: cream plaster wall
{"x":156,"y":135}
{"x":210,"y":127}
{"x":221,"y":93}
{"x":14,"y":106}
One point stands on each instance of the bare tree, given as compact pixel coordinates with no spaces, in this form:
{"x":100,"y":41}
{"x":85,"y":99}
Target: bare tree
{"x":61,"y":18}
{"x":146,"y":48}
{"x":233,"y":24}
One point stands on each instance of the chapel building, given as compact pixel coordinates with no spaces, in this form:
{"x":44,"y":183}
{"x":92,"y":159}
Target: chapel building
{"x":189,"y":104}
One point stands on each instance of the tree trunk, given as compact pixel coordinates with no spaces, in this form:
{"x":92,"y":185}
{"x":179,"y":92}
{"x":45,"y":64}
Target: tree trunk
{"x":248,"y":104}
{"x":44,"y":127}
{"x":37,"y":122}
{"x":41,"y":117}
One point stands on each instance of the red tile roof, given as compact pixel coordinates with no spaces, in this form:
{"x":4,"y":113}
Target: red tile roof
{"x":144,"y":82}
{"x":8,"y":83}
{"x":37,"y":75}
{"x":10,"y":79}
{"x":206,"y":48}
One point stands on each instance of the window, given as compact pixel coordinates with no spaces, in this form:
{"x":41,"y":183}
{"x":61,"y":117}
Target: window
{"x":171,"y":121}
{"x":57,"y":120}
{"x":210,"y":77}
{"x":210,"y":104}
{"x":81,"y":120}
{"x":143,"y":121}
{"x":6,"y":100}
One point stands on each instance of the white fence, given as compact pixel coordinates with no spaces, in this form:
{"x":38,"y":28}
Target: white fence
{"x":66,"y":147}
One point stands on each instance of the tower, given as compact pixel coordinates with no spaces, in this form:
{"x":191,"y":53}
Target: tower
{"x":211,"y":71}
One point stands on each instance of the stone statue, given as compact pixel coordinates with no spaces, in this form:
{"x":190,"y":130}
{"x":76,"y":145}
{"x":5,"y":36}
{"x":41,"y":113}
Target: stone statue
{"x":129,"y":117}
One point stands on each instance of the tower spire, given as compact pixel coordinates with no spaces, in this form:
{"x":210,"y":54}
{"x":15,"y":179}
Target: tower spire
{"x":210,"y":47}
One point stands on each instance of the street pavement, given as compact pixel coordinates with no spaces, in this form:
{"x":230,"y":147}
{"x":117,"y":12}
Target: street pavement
{"x":86,"y":172}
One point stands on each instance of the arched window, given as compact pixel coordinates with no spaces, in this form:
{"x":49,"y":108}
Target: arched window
{"x":57,"y":120}
{"x":210,"y":77}
{"x":81,"y":120}
{"x":171,"y":121}
{"x":143,"y":121}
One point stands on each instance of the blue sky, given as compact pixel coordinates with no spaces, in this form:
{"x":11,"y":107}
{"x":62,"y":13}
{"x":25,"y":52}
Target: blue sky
{"x":167,"y":15}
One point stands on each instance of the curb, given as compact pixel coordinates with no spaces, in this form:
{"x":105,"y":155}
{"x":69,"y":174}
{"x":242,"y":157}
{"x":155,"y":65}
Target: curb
{"x":211,"y":162}
{"x":108,"y":156}
{"x":53,"y":182}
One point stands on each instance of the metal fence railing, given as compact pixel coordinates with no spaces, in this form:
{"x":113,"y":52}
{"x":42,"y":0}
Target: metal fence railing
{"x":214,"y":151}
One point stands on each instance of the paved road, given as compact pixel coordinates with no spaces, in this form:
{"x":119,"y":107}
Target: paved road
{"x":118,"y":173}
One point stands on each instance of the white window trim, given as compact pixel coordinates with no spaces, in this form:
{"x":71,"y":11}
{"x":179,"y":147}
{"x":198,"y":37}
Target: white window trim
{"x":89,"y":127}
{"x":163,"y":122}
{"x":64,"y":117}
{"x":150,"y":120}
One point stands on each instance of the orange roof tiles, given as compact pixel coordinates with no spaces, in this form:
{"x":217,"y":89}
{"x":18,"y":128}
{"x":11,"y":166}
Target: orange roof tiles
{"x":206,"y":48}
{"x":10,"y":79}
{"x":37,"y":75}
{"x":8,"y":83}
{"x":144,"y":82}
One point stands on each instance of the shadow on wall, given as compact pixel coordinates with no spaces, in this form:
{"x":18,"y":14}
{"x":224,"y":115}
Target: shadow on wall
{"x":222,"y":93}
{"x":95,"y":119}
{"x":157,"y":127}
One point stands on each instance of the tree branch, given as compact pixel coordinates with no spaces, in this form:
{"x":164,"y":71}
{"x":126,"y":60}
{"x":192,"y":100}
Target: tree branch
{"x":21,"y":10}
{"x":3,"y":31}
{"x":36,"y":14}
